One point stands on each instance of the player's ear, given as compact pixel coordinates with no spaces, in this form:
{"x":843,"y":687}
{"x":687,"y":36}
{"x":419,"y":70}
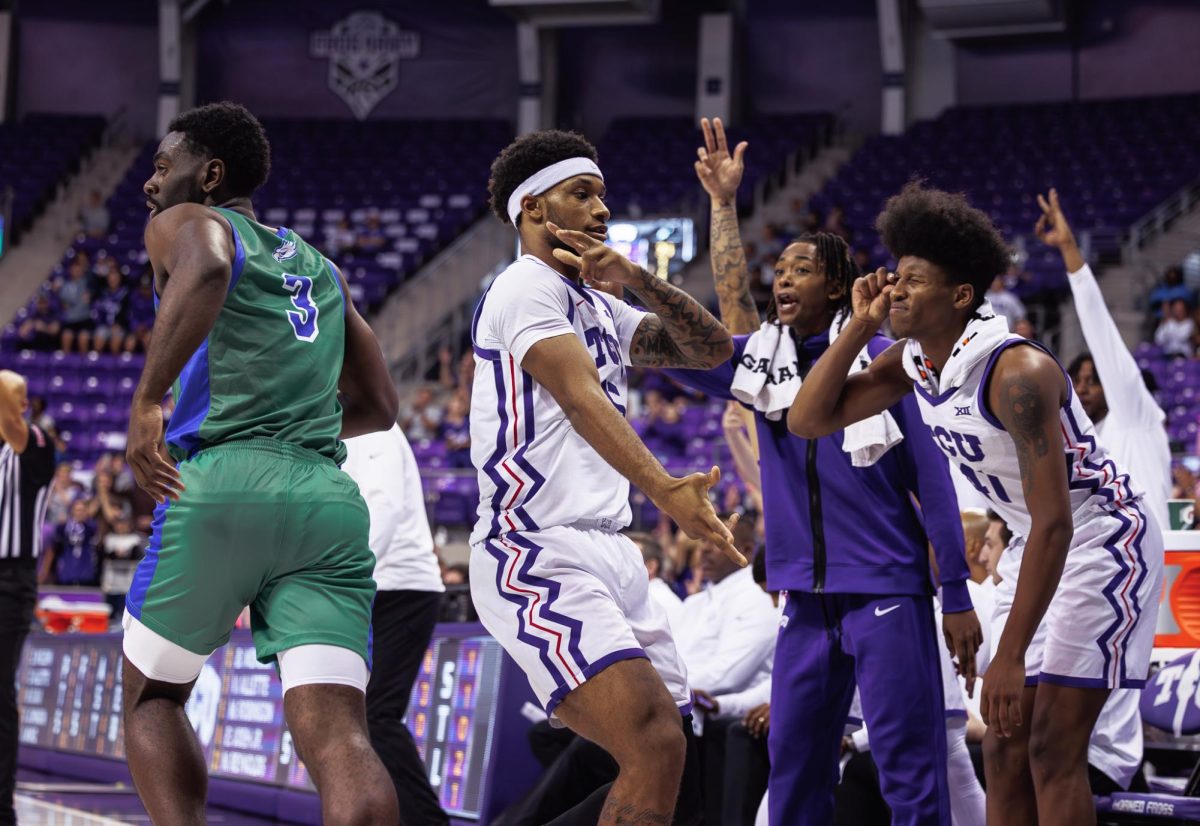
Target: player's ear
{"x":213,"y":175}
{"x":531,"y":207}
{"x":964,"y":296}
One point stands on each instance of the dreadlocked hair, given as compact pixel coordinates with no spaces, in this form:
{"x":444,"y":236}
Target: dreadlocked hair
{"x":839,"y":266}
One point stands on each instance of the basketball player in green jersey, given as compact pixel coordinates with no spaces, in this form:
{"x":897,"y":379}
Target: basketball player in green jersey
{"x":257,"y":332}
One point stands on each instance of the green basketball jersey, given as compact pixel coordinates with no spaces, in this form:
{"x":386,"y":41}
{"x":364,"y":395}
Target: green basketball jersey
{"x":270,"y":366}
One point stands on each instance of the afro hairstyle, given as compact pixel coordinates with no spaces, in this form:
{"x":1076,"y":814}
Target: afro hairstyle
{"x":943,"y":228}
{"x":227,"y":131}
{"x":527,"y":155}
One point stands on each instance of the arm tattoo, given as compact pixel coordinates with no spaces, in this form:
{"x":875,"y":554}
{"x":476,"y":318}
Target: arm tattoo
{"x":730,"y":273}
{"x":1027,"y":428}
{"x":624,"y":814}
{"x":680,"y":333}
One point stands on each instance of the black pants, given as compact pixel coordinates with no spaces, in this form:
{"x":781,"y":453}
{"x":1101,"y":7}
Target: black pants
{"x":402,"y":623}
{"x":18,"y":597}
{"x":747,"y":768}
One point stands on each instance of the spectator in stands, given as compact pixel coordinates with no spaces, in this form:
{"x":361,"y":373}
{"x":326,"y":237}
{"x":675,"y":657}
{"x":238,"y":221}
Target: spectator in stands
{"x":40,"y":416}
{"x":726,"y":632}
{"x":996,"y":539}
{"x":1024,"y":327}
{"x":975,"y":526}
{"x":772,"y":243}
{"x":372,"y":238}
{"x":93,"y":216}
{"x":835,"y":223}
{"x":73,"y":555}
{"x":41,"y":330}
{"x":1128,"y":421}
{"x":108,"y":313}
{"x":1184,"y":483}
{"x":1005,"y":302}
{"x":63,"y":493}
{"x":122,"y":547}
{"x":1171,"y":289}
{"x":664,"y":424}
{"x":1176,"y":331}
{"x":455,"y":431}
{"x":139,"y":315}
{"x":420,"y":418}
{"x":660,"y":591}
{"x":456,"y":574}
{"x":75,"y":303}
{"x":340,"y":239}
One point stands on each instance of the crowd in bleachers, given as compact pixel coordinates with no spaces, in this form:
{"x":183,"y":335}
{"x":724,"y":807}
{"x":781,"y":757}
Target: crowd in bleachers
{"x":97,"y":525}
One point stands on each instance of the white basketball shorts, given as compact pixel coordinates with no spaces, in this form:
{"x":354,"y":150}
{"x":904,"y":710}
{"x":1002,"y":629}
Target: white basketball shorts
{"x":566,"y":603}
{"x":1099,"y":628}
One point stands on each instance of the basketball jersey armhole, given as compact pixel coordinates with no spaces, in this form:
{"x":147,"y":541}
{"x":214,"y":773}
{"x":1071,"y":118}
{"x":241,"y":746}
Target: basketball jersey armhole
{"x":239,"y":251}
{"x":985,"y":381}
{"x":337,"y":282}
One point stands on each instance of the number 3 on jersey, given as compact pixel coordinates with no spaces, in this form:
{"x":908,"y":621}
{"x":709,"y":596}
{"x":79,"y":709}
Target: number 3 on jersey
{"x":304,"y":317}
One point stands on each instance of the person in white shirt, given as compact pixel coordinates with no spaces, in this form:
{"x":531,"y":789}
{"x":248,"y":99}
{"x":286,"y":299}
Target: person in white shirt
{"x":1128,"y":421}
{"x":1005,"y":302}
{"x":737,"y":710}
{"x":1176,"y":331}
{"x":406,"y":608}
{"x":660,"y":591}
{"x":726,"y":632}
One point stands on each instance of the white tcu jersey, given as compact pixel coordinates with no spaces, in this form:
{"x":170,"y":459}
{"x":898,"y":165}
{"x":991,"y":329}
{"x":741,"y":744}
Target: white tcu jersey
{"x":535,"y":471}
{"x":978,"y":444}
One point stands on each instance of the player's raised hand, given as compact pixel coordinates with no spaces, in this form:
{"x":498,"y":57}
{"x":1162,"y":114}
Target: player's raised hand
{"x":1000,"y":700}
{"x":600,"y":266}
{"x":963,"y":638}
{"x":1052,"y":228}
{"x":720,"y":173}
{"x":686,"y":501}
{"x":871,"y":297}
{"x":146,"y":454}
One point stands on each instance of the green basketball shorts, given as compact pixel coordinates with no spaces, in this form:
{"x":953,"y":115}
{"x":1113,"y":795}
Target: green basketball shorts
{"x":266,"y":524}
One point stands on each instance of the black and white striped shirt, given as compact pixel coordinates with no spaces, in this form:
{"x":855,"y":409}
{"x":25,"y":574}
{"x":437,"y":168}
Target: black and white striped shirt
{"x":24,"y":494}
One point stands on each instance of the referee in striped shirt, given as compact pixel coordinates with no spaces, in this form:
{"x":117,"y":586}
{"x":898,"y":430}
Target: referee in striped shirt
{"x":26,"y":470}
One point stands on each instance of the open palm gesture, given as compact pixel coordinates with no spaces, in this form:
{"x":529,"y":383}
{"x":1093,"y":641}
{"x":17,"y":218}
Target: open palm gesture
{"x":719,"y":172}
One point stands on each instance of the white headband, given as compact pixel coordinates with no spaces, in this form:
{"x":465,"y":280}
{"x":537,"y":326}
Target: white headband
{"x":542,"y":180}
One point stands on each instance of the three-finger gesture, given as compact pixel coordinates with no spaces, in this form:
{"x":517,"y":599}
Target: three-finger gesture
{"x":599,"y":265}
{"x":719,"y":172}
{"x":1052,"y":228}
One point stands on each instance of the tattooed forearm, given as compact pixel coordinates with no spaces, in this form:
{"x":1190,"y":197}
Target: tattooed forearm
{"x":625,"y":814}
{"x":680,"y":333}
{"x":1026,"y":413}
{"x":730,"y":273}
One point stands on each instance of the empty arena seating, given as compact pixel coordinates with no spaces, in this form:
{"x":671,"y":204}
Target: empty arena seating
{"x":1112,"y":162}
{"x":36,"y":154}
{"x":1178,"y":392}
{"x":647,"y":162}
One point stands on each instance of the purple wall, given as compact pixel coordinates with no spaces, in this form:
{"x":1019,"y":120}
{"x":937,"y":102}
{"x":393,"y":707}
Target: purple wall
{"x":1125,"y":50}
{"x":91,"y":68}
{"x":825,"y":60}
{"x":825,"y":57}
{"x":626,"y":71}
{"x":258,"y":54}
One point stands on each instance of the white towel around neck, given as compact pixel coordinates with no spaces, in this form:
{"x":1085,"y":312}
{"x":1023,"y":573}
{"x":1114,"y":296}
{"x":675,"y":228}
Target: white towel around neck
{"x":768,"y":379}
